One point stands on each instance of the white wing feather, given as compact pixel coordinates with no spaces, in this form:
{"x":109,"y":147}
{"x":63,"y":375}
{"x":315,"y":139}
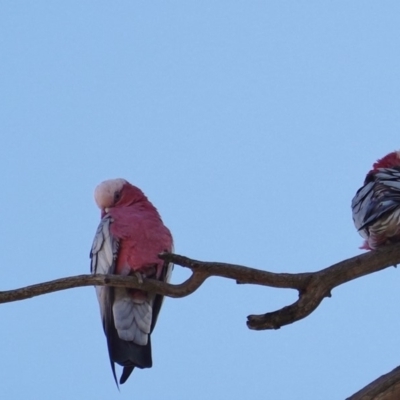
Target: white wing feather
{"x":132,"y":317}
{"x":103,"y":255}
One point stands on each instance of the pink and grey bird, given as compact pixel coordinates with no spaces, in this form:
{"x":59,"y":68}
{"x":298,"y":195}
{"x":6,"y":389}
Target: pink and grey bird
{"x":376,"y":205}
{"x":130,"y":236}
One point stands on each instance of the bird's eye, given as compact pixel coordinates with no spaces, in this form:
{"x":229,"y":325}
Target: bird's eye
{"x":117,"y":196}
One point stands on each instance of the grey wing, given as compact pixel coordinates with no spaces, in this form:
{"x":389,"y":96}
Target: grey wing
{"x":379,"y":196}
{"x":158,"y":300}
{"x":359,"y":206}
{"x":104,"y":249}
{"x":103,"y":257}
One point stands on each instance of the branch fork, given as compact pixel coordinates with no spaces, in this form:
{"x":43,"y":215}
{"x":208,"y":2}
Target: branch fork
{"x":312,"y":287}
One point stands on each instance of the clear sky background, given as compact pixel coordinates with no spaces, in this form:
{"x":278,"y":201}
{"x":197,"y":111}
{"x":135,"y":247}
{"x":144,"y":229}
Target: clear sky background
{"x":250,"y":125}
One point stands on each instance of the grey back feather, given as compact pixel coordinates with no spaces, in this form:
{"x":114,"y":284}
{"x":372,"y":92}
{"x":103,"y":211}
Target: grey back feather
{"x":379,"y":196}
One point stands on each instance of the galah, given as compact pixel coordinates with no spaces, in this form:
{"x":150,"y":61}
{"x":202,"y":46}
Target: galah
{"x":130,"y":236}
{"x":376,"y":205}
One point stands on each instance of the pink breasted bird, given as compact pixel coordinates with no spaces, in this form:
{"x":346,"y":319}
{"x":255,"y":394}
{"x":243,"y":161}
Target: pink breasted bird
{"x":130,"y":236}
{"x":376,"y":205}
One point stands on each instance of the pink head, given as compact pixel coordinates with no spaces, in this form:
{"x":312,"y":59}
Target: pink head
{"x":389,"y":161}
{"x":116,"y":193}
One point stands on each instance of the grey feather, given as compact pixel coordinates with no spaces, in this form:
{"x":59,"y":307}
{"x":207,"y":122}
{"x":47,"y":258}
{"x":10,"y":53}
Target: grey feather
{"x":376,"y":200}
{"x":132,"y":318}
{"x":392,"y":184}
{"x":103,"y":256}
{"x":104,"y":249}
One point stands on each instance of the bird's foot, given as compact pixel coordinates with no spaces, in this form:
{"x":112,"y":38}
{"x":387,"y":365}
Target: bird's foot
{"x":147,"y":271}
{"x":139,"y":277}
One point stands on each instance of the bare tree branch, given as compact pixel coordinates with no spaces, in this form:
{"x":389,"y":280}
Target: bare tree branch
{"x":313,"y":287}
{"x":386,"y":387}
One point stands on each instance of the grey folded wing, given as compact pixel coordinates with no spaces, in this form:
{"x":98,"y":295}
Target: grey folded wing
{"x":379,"y":197}
{"x":103,"y":257}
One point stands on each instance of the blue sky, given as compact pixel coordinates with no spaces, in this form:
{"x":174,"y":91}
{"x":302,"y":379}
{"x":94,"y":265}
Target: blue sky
{"x":250,"y":125}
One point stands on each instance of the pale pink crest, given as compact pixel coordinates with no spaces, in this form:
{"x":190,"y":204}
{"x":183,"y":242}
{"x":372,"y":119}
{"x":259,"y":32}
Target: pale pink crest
{"x":104,"y":192}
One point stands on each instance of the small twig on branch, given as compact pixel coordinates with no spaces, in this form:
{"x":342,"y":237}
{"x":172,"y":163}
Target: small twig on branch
{"x":313,"y":287}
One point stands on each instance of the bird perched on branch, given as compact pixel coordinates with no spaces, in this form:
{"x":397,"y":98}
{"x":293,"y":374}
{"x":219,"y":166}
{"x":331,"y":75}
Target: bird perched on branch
{"x":127,"y":242}
{"x":376,"y":205}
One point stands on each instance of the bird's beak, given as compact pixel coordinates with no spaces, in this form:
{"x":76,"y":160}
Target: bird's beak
{"x":104,"y":211}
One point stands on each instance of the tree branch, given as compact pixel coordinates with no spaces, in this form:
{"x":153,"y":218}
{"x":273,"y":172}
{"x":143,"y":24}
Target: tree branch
{"x":313,"y":287}
{"x":386,"y":387}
